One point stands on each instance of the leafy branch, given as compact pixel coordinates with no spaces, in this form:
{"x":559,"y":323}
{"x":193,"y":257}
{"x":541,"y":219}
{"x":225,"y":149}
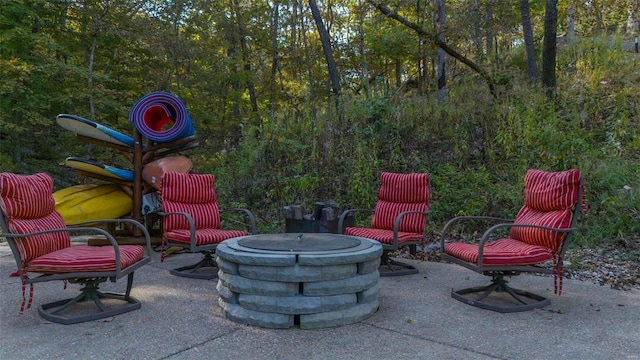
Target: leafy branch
{"x":441,"y":44}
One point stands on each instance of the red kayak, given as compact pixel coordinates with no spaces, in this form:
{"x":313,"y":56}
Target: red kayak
{"x":152,"y":172}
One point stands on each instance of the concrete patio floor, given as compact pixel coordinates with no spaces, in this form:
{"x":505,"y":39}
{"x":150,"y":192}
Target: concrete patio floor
{"x":417,"y":319}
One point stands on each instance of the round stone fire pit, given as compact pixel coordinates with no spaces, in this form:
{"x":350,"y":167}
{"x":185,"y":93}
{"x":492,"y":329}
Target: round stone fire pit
{"x":312,"y":280}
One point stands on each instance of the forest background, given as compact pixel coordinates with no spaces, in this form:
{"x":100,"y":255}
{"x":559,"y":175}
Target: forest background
{"x":282,"y":120}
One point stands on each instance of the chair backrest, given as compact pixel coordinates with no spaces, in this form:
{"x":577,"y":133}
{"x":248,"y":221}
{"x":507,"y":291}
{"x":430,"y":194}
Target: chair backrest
{"x":398,"y":193}
{"x":550,"y":199}
{"x":192,"y":194}
{"x":27,"y":206}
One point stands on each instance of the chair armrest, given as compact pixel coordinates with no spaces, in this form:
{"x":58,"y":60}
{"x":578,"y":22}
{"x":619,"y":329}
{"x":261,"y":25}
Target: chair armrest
{"x":192,"y":225}
{"x":461,"y":219}
{"x":396,"y":223}
{"x":248,"y":214}
{"x":11,"y":238}
{"x":121,"y":221}
{"x":347,"y":213}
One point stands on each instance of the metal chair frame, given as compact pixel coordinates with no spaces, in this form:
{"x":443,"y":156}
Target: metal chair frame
{"x":524,"y":300}
{"x":208,"y":261}
{"x":58,"y":311}
{"x":396,"y":268}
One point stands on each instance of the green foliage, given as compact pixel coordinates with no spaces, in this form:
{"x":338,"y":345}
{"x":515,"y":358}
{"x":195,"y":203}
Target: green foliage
{"x":469,"y":191}
{"x":296,"y":147}
{"x":613,"y":198}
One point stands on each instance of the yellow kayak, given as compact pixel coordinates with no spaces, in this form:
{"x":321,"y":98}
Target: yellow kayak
{"x":89,"y":202}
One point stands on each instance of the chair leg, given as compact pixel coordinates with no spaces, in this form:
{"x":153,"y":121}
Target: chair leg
{"x":525,"y":300}
{"x":90,"y":292}
{"x":192,"y":271}
{"x":391,"y":267}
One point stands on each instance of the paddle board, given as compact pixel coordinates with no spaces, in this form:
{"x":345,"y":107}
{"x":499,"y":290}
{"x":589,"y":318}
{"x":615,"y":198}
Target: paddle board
{"x":90,"y":202}
{"x":98,"y":168}
{"x":152,"y":172}
{"x":93,"y":130}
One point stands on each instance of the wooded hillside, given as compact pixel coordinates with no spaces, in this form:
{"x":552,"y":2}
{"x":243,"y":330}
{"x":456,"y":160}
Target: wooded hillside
{"x":297,"y":102}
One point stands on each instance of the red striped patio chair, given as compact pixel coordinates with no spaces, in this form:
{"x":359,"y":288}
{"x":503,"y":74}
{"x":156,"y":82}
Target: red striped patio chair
{"x":42,"y":247}
{"x":540,"y":233}
{"x":191,"y":220}
{"x":399,"y":218}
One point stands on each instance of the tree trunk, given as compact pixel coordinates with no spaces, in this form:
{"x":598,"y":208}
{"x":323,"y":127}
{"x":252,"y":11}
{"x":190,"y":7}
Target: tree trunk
{"x":92,"y":55}
{"x":398,"y":65}
{"x":632,"y":19}
{"x":440,"y":54}
{"x":274,"y":57}
{"x":489,"y":29}
{"x":363,"y":50}
{"x":600,"y":28}
{"x":549,"y":48}
{"x":326,"y":47}
{"x":307,"y":58}
{"x":245,"y":57}
{"x":527,"y":33}
{"x":476,"y":36}
{"x":231,"y":38}
{"x":571,"y":24}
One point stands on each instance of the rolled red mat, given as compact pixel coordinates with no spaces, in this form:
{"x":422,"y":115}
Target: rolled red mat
{"x":162,"y":117}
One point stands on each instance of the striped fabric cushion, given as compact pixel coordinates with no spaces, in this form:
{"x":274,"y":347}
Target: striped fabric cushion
{"x":26,"y":196}
{"x":548,"y":191}
{"x":398,"y":193}
{"x":34,"y":246}
{"x":85,"y":259}
{"x":550,"y":198}
{"x":188,"y":188}
{"x":27,"y":203}
{"x":205,"y":216}
{"x":382,"y":235}
{"x":193,"y":194}
{"x":203,"y":236}
{"x":501,"y":252}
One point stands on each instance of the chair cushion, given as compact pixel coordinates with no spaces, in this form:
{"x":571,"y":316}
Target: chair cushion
{"x":190,"y":193}
{"x":500,"y":252}
{"x":559,"y":219}
{"x":27,"y":203}
{"x":382,"y":235}
{"x":404,"y":188}
{"x":188,"y":188}
{"x":26,"y":196}
{"x":548,"y":191}
{"x":205,"y":216}
{"x":550,"y":198}
{"x":398,"y":193}
{"x":203,"y":236}
{"x":82,"y":258}
{"x":38,"y":245}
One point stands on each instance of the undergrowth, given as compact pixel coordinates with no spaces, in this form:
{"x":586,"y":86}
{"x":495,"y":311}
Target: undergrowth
{"x":476,"y":150}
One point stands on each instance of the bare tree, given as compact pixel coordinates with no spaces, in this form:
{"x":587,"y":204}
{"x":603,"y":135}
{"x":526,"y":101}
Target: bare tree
{"x":489,"y":31}
{"x":476,"y":36}
{"x":571,"y":23}
{"x":549,"y":48}
{"x":326,"y":47}
{"x":632,"y":19}
{"x":245,"y":55}
{"x":363,"y":50}
{"x":527,"y":33}
{"x":440,"y":54}
{"x":275,"y":23}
